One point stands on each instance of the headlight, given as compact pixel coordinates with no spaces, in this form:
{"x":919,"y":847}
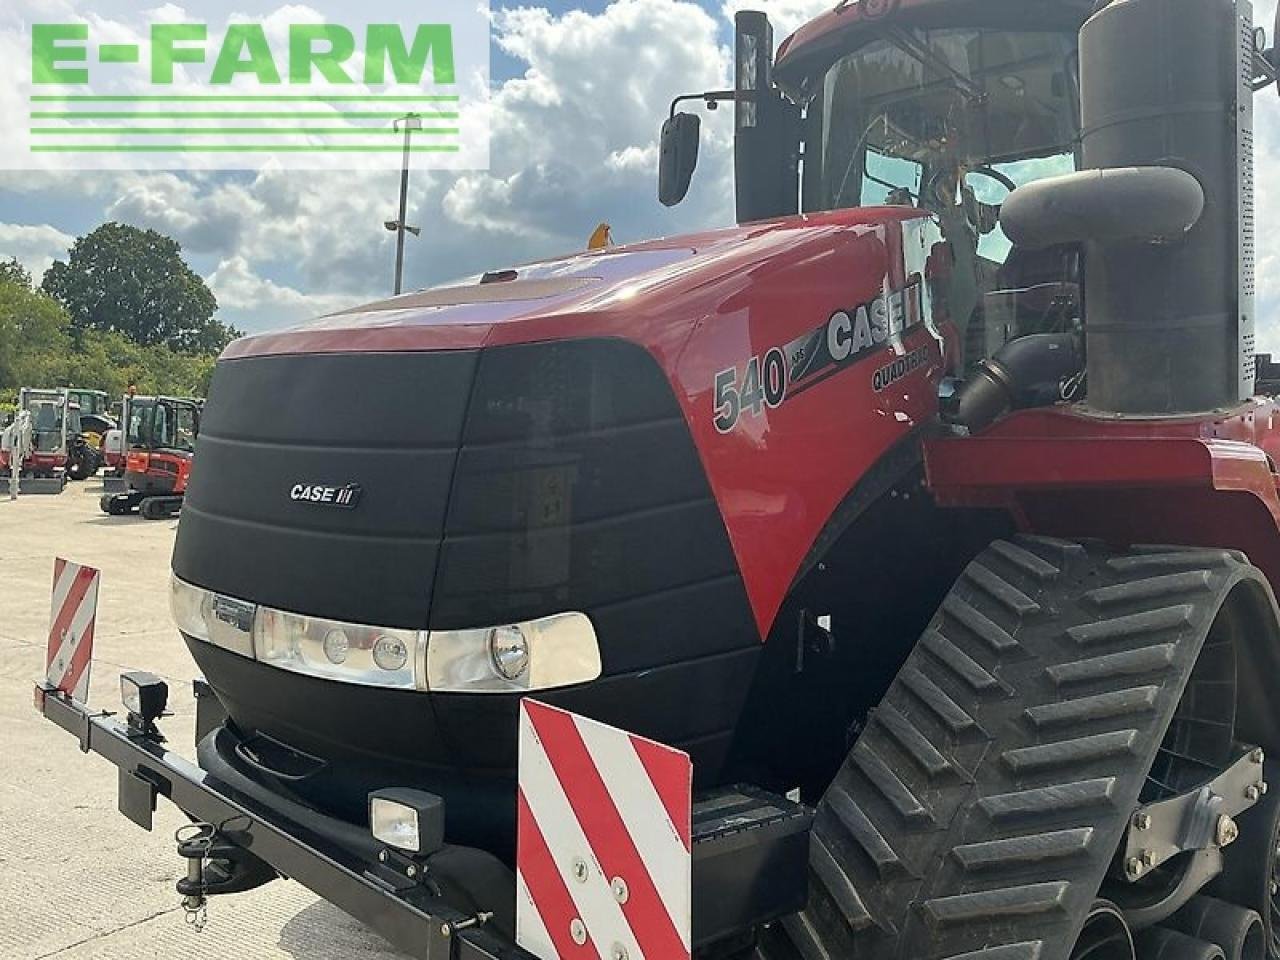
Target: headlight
{"x":222,"y":621}
{"x":187,"y":603}
{"x":340,"y":651}
{"x":553,"y":651}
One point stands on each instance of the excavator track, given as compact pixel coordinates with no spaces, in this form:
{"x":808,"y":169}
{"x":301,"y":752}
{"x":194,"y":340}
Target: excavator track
{"x":980,"y":809}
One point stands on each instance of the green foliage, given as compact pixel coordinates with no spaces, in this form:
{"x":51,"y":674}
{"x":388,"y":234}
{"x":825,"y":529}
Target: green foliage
{"x":123,"y":280}
{"x":40,"y":347}
{"x":11,"y":271}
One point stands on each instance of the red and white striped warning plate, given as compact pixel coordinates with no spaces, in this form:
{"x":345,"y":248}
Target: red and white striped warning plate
{"x":602,"y":862}
{"x":71,"y":619}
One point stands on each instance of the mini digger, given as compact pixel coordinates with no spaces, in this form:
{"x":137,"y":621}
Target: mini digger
{"x":930,"y":511}
{"x":158,"y":441}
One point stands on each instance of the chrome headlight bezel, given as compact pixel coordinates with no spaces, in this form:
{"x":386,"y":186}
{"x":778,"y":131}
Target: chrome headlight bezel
{"x":547,"y":653}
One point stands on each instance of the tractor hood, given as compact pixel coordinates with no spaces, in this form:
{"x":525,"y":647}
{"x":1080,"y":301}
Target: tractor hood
{"x":460,"y":410}
{"x":652,"y":293}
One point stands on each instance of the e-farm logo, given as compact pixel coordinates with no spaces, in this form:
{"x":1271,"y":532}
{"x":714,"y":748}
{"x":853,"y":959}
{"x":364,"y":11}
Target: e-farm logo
{"x":280,"y":85}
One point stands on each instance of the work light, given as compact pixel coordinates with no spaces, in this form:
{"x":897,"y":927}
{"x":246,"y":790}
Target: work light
{"x":409,"y":820}
{"x":144,"y":695}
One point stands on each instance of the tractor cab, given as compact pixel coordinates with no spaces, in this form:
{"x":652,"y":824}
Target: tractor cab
{"x":947,"y":107}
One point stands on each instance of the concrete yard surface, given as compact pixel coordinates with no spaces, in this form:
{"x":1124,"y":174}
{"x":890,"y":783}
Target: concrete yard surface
{"x":78,"y":880}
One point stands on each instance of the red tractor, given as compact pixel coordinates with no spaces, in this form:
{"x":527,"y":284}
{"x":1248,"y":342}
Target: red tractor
{"x":934,"y":494}
{"x":158,"y":435}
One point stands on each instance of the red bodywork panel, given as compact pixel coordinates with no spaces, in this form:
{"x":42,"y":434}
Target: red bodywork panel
{"x":163,"y":463}
{"x":838,"y":28}
{"x":704,"y":306}
{"x":40,"y":462}
{"x":1207,"y":481}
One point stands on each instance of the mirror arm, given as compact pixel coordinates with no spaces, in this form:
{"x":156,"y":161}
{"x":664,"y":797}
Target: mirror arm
{"x":709,"y":98}
{"x":1265,"y":70}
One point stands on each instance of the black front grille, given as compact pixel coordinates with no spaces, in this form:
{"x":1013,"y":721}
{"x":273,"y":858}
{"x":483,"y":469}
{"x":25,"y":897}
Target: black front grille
{"x":388,"y":422}
{"x":496,"y":486}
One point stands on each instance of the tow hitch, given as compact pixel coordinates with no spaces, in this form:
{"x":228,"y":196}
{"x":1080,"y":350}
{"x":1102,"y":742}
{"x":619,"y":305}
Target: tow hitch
{"x":216,"y":863}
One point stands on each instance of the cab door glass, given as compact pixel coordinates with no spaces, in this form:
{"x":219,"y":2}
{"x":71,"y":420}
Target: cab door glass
{"x":890,"y":180}
{"x":184,"y":428}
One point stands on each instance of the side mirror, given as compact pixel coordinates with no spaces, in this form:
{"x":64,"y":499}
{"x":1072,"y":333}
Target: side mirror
{"x":678,"y":157}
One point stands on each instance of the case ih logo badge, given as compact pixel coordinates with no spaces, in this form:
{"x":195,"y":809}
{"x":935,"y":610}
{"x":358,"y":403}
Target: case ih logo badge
{"x":325,"y":495}
{"x":847,"y":337}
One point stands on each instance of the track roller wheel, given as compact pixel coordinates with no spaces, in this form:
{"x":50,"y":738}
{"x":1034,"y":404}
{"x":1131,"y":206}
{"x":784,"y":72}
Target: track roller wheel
{"x":1251,"y":875}
{"x":979,"y":814}
{"x":1237,"y":930}
{"x":1105,"y":935}
{"x":1157,"y":943}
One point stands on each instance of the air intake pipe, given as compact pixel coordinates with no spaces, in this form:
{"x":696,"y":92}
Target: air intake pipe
{"x":1027,"y":372}
{"x":1164,"y":208}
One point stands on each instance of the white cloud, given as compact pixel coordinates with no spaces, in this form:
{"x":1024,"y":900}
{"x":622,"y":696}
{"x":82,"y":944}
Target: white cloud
{"x":786,"y":15}
{"x":35,"y":246}
{"x":237,"y":287}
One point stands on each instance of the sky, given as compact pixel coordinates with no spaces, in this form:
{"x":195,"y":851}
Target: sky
{"x":578,"y":96}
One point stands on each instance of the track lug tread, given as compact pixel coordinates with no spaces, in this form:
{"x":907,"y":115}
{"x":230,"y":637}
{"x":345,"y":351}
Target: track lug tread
{"x":1054,"y":800}
{"x":908,"y":736}
{"x":1070,"y":753}
{"x":953,"y":716}
{"x":1000,"y":589}
{"x":1132,"y":625}
{"x":983,"y":627}
{"x":1114,"y":666}
{"x":1152,"y":588}
{"x":804,"y":935}
{"x":1103,"y":706}
{"x":1166,"y":561}
{"x":972,"y":673}
{"x":1027,"y":898}
{"x":839,"y":886}
{"x":889,"y":785}
{"x":1033,"y":848}
{"x":1032,"y":564}
{"x":980,"y":809}
{"x":1060,"y":552}
{"x":865,"y":833}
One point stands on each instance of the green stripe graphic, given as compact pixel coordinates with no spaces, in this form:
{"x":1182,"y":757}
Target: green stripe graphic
{"x":224,"y":115}
{"x":217,"y":98}
{"x":231,"y":131}
{"x":230,"y":148}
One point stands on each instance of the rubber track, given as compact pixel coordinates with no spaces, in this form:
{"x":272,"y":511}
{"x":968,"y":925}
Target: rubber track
{"x":979,"y":811}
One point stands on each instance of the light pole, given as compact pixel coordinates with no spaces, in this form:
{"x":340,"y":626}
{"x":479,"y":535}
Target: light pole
{"x":409,"y":123}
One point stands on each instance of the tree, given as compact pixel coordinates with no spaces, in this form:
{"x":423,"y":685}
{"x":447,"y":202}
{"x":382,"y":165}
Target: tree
{"x":33,"y":336}
{"x":135,"y":282}
{"x":39,"y":348}
{"x":11,"y":271}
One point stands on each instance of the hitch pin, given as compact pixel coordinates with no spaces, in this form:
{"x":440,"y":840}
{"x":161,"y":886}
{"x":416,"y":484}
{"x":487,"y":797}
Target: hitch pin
{"x":195,"y":905}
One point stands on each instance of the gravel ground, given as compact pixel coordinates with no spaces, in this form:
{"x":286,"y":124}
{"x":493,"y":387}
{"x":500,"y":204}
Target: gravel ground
{"x":77,"y":879}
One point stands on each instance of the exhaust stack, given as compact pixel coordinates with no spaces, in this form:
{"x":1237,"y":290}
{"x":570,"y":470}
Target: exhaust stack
{"x":1166,"y":87}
